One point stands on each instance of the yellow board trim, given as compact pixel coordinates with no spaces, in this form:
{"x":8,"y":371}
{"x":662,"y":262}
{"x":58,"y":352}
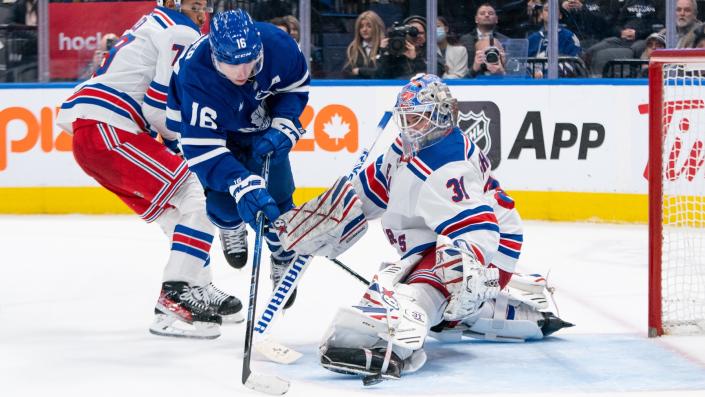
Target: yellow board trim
{"x":554,"y":206}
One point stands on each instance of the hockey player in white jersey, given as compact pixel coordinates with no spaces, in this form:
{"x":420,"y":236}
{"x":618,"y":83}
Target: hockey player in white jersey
{"x":114,"y":118}
{"x":457,"y":232}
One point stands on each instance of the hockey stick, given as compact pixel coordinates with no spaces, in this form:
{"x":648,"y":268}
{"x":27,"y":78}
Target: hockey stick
{"x":282,"y":291}
{"x":260,"y":382}
{"x":350,"y":271}
{"x":366,"y":152}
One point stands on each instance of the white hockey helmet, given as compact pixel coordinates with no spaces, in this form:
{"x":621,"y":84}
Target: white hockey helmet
{"x":425,"y":112}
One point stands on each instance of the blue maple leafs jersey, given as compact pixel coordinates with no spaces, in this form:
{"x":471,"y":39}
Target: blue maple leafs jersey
{"x":213,"y":115}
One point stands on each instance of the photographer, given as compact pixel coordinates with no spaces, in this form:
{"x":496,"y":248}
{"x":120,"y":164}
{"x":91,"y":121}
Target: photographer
{"x":404,"y":50}
{"x":486,"y":25}
{"x":489,"y":58}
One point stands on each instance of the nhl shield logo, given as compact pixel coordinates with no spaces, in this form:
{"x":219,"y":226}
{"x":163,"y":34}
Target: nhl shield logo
{"x":480,"y":121}
{"x":477,"y":127}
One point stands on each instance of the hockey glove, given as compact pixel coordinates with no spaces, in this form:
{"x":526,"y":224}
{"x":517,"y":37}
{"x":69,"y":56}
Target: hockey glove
{"x":251,"y":197}
{"x":277,"y":140}
{"x":173,"y":146}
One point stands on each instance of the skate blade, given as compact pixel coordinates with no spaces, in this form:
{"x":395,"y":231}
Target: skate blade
{"x":276,"y":352}
{"x":235,"y":318}
{"x":165,"y":325}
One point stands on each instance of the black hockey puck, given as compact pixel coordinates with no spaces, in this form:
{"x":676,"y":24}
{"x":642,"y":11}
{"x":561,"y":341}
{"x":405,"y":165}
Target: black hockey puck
{"x":371,"y":380}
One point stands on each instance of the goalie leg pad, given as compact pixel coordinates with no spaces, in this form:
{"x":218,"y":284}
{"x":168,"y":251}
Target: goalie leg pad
{"x":325,"y":226}
{"x":506,"y":319}
{"x":360,"y":361}
{"x":530,"y":289}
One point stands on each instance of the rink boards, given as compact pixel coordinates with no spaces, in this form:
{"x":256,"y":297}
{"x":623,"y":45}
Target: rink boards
{"x":574,"y":151}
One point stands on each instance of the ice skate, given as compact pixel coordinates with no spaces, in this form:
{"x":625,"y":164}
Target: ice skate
{"x":227,"y":306}
{"x":234,"y":243}
{"x":182,"y":311}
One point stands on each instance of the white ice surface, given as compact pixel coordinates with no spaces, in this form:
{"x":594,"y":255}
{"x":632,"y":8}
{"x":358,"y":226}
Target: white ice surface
{"x":77,"y":294}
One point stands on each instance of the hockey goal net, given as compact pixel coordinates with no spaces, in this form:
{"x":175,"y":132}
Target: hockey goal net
{"x":677,"y":192}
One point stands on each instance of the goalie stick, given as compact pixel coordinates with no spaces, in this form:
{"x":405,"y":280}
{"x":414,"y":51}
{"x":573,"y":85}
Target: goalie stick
{"x":260,"y":382}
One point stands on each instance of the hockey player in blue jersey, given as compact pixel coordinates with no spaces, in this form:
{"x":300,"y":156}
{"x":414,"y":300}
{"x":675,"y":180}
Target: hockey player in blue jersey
{"x":236,"y":97}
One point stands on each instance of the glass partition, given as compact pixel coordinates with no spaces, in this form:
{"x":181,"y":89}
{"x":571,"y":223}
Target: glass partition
{"x":382,"y":39}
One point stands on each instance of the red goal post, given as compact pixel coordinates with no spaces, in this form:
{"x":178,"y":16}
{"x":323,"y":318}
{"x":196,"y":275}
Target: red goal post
{"x":677,"y":192}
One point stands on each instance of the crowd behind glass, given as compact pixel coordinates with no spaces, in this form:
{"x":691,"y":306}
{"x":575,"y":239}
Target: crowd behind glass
{"x":387,"y":39}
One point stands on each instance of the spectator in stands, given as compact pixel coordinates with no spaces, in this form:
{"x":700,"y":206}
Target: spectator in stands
{"x":412,"y":60}
{"x":611,"y":48}
{"x":699,"y":36}
{"x":106,"y":44}
{"x":490,"y":58}
{"x":24,"y":12}
{"x":568,"y":45}
{"x":294,"y":27}
{"x":686,"y":22}
{"x":643,"y":14}
{"x":533,"y":15}
{"x":485,"y":25}
{"x":363,"y":52}
{"x":568,"y":42}
{"x":586,"y":18}
{"x":452,"y":58}
{"x":653,"y":42}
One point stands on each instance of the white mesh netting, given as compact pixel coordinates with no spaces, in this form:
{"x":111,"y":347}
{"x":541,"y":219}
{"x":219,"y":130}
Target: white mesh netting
{"x":683,"y":179}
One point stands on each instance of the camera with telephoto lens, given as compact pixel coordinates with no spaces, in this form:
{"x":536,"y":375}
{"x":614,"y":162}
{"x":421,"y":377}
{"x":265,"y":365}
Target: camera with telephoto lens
{"x":492,"y":53}
{"x":397,"y":38}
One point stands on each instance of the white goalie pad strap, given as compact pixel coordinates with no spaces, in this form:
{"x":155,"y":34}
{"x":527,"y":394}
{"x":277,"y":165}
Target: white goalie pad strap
{"x":325,"y":226}
{"x":466,"y":279}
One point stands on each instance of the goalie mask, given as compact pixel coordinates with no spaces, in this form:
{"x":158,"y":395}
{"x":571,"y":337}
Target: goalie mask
{"x":236,"y":46}
{"x":425,"y":112}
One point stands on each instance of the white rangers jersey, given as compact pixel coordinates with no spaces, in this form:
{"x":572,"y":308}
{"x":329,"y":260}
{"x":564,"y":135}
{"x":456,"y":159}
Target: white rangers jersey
{"x":445,"y":189}
{"x":129,"y":88}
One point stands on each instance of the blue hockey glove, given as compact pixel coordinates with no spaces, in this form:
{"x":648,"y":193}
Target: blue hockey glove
{"x":251,"y":197}
{"x":173,"y":146}
{"x":277,"y":140}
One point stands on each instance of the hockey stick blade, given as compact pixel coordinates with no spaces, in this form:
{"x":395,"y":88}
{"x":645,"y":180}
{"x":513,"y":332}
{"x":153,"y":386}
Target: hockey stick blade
{"x":268,"y":384}
{"x":276,"y":352}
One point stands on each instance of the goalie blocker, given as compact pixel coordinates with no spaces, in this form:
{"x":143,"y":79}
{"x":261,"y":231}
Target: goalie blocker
{"x":325,"y":226}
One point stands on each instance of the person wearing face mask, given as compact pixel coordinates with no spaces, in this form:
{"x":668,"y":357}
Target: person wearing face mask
{"x":453,"y":59}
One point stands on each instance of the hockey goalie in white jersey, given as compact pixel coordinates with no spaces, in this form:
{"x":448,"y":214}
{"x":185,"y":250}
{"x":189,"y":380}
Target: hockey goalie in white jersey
{"x":458,"y":235}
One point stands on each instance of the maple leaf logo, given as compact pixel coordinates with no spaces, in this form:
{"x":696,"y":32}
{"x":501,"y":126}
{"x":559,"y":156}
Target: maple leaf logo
{"x":336,"y":128}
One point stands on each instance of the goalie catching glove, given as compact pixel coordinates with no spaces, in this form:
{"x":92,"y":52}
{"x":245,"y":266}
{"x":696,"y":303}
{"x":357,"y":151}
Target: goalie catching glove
{"x":467,"y":280}
{"x":325,"y":226}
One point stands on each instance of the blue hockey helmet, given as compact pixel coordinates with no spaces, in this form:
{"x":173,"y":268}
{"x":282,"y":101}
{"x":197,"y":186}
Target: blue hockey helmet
{"x":425,"y":112}
{"x":235,"y":40}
